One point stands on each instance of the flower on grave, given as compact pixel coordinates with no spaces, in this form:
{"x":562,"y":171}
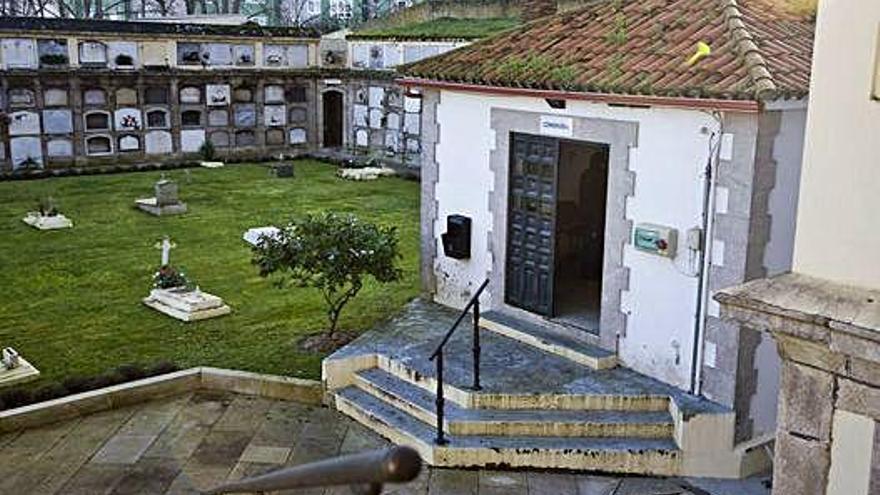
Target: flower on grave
{"x":130,"y":122}
{"x":169,"y":277}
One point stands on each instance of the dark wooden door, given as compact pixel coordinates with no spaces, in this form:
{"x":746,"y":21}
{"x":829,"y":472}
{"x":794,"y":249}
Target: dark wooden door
{"x":332,"y":119}
{"x":531,"y":223}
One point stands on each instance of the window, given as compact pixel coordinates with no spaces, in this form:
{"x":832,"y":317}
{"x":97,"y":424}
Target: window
{"x":98,"y":145}
{"x":156,"y":95}
{"x":97,"y":121}
{"x":191,"y":118}
{"x":157,"y":119}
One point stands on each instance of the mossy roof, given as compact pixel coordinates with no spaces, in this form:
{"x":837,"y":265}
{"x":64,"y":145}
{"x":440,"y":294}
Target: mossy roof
{"x":445,"y":28}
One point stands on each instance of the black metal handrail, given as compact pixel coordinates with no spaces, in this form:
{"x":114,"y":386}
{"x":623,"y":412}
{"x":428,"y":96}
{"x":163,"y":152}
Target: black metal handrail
{"x":438,"y":356}
{"x":367,"y":472}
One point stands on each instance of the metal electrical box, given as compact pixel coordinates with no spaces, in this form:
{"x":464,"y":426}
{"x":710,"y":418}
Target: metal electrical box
{"x":457,"y":239}
{"x":655,"y":239}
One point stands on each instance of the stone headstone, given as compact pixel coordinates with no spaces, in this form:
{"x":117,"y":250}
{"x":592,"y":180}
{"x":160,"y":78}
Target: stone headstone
{"x":284,"y":170}
{"x":298,"y":136}
{"x":166,"y":193}
{"x":274,"y":115}
{"x":11,"y":359}
{"x":158,"y":142}
{"x":59,"y":148}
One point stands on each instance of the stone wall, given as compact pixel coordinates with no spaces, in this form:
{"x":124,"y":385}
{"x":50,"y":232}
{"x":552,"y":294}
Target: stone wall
{"x":827,"y":437}
{"x":84,"y":120}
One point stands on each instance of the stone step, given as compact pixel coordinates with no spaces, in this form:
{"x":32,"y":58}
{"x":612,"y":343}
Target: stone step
{"x":549,"y":340}
{"x":420,"y":404}
{"x":607,"y":394}
{"x":650,"y":456}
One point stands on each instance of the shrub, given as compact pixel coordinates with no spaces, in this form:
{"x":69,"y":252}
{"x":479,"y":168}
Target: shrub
{"x":168,"y":277}
{"x":208,"y":151}
{"x":332,"y":253}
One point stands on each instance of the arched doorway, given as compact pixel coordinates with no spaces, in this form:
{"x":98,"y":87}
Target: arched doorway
{"x":332,"y":102}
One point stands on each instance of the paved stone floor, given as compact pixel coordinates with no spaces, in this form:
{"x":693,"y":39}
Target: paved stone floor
{"x":195,"y":441}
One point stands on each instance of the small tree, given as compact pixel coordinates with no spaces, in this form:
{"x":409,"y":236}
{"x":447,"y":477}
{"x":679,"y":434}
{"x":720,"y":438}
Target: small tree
{"x":332,"y":253}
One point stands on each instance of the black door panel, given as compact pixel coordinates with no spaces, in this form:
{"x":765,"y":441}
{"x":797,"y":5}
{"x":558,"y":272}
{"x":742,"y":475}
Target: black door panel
{"x":531,"y":223}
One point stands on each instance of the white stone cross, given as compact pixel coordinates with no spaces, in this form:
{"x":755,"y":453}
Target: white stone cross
{"x":166,"y":246}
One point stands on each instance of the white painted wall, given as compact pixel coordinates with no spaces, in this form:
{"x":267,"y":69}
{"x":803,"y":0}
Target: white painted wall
{"x":668,"y":163}
{"x":788,"y":153}
{"x":837,"y":233}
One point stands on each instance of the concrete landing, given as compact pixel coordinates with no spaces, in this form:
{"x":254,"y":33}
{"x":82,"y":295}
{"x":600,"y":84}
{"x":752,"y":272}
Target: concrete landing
{"x":536,"y":408}
{"x":545,"y":339}
{"x":508,"y":367}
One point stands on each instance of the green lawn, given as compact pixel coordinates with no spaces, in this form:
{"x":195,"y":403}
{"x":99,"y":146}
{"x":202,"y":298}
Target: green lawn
{"x":70,"y":301}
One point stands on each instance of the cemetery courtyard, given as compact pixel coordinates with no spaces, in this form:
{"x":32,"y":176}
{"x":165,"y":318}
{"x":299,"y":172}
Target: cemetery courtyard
{"x":71,"y":299}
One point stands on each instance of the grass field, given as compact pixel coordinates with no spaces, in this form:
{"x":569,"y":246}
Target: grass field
{"x":70,"y":301}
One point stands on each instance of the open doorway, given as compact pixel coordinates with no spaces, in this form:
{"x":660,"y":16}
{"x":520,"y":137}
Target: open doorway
{"x":580,"y":233}
{"x":332,"y":103}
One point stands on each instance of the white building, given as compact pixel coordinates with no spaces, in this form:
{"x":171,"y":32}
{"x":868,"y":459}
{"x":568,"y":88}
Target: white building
{"x":580,"y":152}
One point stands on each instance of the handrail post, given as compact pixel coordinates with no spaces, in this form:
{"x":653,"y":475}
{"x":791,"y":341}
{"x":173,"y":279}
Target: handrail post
{"x":476,"y":345}
{"x":440,"y":440}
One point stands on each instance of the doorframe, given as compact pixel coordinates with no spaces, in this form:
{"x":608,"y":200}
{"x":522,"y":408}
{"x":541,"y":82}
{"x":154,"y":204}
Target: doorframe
{"x":320,"y":126}
{"x":619,"y":136}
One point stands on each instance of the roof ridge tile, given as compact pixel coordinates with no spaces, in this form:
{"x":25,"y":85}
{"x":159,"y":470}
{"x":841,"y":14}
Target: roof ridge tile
{"x":757,"y":67}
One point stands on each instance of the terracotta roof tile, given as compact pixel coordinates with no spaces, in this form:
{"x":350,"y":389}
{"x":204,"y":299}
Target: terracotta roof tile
{"x":642,"y":47}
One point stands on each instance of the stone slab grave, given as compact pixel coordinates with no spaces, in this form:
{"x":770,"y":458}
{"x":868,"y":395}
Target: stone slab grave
{"x":47,"y":222}
{"x":183,"y":303}
{"x":165,"y":202}
{"x":212,"y":164}
{"x":366,"y":173}
{"x":15,"y":369}
{"x":187,"y":304}
{"x":255,"y":236}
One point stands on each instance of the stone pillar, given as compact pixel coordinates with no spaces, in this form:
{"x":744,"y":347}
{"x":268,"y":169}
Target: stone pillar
{"x":828,"y":336}
{"x":174,"y":114}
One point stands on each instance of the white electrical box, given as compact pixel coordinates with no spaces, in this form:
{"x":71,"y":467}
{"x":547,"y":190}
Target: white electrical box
{"x":655,"y":239}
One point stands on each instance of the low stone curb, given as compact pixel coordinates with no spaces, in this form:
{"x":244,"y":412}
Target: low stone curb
{"x":157,"y":387}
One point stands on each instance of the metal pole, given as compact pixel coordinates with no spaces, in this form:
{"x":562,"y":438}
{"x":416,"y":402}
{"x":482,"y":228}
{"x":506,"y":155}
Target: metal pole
{"x":368,"y":471}
{"x":477,"y":345}
{"x":440,"y":402}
